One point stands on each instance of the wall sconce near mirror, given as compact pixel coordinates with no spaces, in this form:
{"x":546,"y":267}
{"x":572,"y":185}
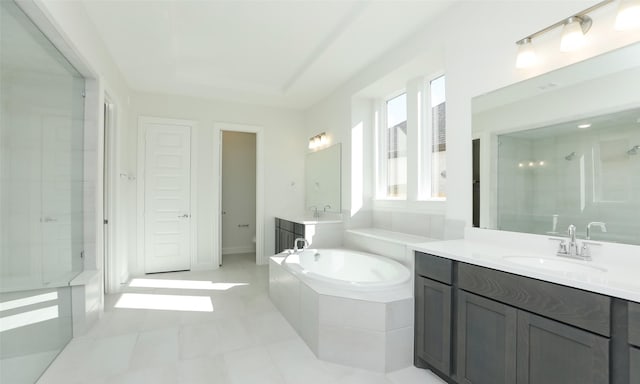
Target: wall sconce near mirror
{"x":575,"y":28}
{"x":318,"y":141}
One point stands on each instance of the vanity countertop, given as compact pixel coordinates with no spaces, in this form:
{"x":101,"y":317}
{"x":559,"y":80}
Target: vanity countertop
{"x":614,"y":270}
{"x":314,"y":221}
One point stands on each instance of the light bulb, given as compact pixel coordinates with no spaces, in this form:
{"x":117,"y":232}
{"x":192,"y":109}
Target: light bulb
{"x":572,"y":35}
{"x":526,"y":54}
{"x":628,"y":15}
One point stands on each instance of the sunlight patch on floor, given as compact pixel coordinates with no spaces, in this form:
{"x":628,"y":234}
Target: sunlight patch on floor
{"x":165,"y":302}
{"x":183,"y":284}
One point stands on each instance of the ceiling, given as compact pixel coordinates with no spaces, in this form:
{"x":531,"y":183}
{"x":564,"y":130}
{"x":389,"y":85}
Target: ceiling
{"x":276,"y":53}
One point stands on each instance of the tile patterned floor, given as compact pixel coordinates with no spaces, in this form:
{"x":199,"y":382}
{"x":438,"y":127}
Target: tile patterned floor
{"x":244,"y":340}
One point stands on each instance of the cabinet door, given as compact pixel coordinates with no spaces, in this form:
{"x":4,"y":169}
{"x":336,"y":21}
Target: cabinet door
{"x":486,"y":341}
{"x":433,"y":323}
{"x":550,"y":352}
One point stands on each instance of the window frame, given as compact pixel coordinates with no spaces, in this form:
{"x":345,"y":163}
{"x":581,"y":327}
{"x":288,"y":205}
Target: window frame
{"x":425,"y":131}
{"x":381,"y":145}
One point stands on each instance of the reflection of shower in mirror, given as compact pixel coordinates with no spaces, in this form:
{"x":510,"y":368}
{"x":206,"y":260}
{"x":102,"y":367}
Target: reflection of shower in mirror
{"x":570,"y":156}
{"x":634,"y":150}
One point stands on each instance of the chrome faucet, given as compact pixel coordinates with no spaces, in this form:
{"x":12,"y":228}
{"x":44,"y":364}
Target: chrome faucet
{"x":573,"y":244}
{"x":573,"y":248}
{"x":295,"y":244}
{"x":600,"y":224}
{"x":328,"y":206}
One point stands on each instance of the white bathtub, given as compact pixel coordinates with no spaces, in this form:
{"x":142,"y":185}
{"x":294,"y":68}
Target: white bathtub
{"x":351,"y":308}
{"x":348,"y":269}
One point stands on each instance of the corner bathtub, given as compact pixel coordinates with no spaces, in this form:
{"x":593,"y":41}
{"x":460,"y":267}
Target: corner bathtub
{"x":351,"y":308}
{"x":348,"y":269}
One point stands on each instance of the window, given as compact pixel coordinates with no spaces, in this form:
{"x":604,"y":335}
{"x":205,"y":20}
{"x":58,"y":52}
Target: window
{"x":395,"y":147}
{"x":438,"y":139}
{"x":411,"y":144}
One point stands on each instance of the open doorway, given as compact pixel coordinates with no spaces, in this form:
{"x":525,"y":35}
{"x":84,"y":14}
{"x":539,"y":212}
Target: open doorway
{"x":259,"y":219}
{"x":238,"y":195}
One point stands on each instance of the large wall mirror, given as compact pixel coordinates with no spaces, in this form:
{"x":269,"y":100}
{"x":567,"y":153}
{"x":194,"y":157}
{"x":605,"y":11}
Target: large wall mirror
{"x":322,"y":179}
{"x":563,"y":148}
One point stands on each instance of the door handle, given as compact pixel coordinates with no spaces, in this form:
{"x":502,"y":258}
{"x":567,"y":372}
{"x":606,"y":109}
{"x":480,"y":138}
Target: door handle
{"x":185,"y":216}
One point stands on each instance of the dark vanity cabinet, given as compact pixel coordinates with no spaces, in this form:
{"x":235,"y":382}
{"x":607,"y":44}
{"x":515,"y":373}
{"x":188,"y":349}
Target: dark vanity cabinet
{"x":506,"y":329}
{"x":433,"y":306}
{"x":286,"y":233}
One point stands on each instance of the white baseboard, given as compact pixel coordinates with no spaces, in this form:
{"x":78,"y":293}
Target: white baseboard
{"x":235,"y":250}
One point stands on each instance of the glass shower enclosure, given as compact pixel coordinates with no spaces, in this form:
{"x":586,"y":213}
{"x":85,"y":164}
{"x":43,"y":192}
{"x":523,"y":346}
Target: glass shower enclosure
{"x":41,"y":196}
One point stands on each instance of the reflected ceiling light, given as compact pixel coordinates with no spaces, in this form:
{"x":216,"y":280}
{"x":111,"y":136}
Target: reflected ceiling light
{"x":573,"y":33}
{"x":526,"y":54}
{"x":628,"y":15}
{"x":584,"y":126}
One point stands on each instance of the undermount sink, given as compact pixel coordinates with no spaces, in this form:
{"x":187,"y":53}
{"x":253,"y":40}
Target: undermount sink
{"x":553,"y":264}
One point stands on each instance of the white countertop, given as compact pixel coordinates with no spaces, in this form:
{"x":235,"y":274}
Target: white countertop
{"x":313,"y":221}
{"x":614,"y":270}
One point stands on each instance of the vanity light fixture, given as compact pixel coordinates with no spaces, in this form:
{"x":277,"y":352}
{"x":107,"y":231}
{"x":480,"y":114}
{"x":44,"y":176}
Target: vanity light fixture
{"x":584,"y":126}
{"x":573,"y":33}
{"x":319,"y":140}
{"x":527,"y":56}
{"x":574,"y":29}
{"x":628,"y":15}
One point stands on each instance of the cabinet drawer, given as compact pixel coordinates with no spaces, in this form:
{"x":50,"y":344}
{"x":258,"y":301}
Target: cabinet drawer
{"x":573,"y":306}
{"x":634,"y":324}
{"x":434,"y":267}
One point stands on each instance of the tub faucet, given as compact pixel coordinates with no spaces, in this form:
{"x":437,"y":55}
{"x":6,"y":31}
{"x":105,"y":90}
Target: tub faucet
{"x":295,"y":244}
{"x":601,"y":225}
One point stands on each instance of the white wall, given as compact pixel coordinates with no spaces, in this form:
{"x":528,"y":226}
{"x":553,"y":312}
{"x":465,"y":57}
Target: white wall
{"x":238,"y":191}
{"x":284,"y":149}
{"x":476,"y":43}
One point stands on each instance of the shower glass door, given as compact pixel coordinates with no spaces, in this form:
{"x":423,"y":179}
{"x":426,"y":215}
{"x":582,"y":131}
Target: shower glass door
{"x":41,"y":196}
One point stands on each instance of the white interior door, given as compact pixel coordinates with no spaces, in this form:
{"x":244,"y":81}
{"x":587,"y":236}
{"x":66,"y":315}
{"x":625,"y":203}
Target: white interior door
{"x":167,"y":197}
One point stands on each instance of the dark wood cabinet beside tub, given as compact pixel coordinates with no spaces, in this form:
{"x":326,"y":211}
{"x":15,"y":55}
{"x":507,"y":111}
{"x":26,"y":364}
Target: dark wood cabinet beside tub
{"x":476,"y":325}
{"x":286,"y":232}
